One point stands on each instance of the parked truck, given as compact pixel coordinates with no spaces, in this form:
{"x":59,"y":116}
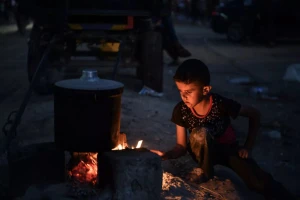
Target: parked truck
{"x":66,"y":24}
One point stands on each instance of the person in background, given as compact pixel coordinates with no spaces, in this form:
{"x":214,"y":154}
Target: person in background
{"x":171,"y":42}
{"x":195,"y":11}
{"x":268,"y":12}
{"x":210,"y":6}
{"x":250,"y":15}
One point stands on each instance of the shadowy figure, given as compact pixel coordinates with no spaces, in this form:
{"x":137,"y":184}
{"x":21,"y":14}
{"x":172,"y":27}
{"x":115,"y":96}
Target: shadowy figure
{"x":268,"y":12}
{"x":171,"y":43}
{"x":196,"y":11}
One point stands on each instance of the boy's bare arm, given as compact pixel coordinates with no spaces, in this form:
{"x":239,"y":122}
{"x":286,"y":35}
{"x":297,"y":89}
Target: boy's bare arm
{"x":180,"y":147}
{"x":254,"y":123}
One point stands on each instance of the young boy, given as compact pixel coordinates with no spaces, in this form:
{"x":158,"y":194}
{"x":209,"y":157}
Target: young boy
{"x":212,"y":139}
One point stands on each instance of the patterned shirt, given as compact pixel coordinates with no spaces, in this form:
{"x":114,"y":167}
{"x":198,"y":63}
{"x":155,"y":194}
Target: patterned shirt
{"x":217,"y":119}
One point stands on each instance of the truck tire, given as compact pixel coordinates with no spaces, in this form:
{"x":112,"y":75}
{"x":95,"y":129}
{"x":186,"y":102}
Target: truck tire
{"x":151,"y":60}
{"x":43,"y":83}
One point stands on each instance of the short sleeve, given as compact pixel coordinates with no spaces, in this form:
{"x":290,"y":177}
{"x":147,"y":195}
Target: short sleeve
{"x":177,"y":115}
{"x":231,"y":107}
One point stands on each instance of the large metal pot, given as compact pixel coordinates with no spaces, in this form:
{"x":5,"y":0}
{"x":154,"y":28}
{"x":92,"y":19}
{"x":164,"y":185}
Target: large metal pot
{"x":87,"y":113}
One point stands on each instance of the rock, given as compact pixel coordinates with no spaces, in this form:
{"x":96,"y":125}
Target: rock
{"x":292,"y":73}
{"x":274,"y":134}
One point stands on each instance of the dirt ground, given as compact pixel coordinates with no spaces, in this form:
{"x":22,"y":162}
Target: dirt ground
{"x":147,"y":118}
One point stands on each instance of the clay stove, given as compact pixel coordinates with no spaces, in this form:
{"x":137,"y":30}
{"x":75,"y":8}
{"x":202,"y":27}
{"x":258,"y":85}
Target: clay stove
{"x":87,"y":127}
{"x":87,"y":121}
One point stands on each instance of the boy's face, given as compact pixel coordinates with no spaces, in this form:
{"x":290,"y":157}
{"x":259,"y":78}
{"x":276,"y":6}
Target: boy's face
{"x":192,"y":93}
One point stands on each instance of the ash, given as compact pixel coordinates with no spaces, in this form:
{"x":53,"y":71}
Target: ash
{"x":174,"y":187}
{"x":79,"y":190}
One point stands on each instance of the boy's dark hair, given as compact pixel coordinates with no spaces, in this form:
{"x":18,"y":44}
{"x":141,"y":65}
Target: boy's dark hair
{"x":192,"y":70}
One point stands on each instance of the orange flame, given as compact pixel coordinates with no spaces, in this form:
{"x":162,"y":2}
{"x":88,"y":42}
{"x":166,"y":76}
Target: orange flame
{"x":87,"y":169}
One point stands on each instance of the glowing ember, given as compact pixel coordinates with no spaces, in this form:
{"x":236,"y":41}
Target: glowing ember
{"x":86,"y":170}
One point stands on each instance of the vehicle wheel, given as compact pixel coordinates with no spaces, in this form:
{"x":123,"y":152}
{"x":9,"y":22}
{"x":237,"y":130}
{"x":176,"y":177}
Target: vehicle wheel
{"x":235,"y":33}
{"x":151,"y":60}
{"x":44,"y":82}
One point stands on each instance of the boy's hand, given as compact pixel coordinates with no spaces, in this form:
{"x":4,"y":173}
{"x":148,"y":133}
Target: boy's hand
{"x":159,"y":153}
{"x":243,"y":153}
{"x":163,"y":155}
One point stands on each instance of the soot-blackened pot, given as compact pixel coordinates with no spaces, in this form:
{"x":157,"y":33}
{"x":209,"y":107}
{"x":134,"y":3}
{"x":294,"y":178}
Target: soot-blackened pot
{"x":87,"y":113}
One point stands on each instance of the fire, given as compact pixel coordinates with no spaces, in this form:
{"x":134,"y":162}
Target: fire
{"x":86,"y":170}
{"x":139,"y":144}
{"x":119,"y":147}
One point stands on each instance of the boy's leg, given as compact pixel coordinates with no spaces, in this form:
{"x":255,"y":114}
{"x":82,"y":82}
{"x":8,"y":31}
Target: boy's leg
{"x":255,"y":177}
{"x":201,"y":149}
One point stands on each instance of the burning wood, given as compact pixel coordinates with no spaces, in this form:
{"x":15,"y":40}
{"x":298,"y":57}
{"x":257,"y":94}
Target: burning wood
{"x":119,"y":147}
{"x":84,"y":167}
{"x":86,"y":170}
